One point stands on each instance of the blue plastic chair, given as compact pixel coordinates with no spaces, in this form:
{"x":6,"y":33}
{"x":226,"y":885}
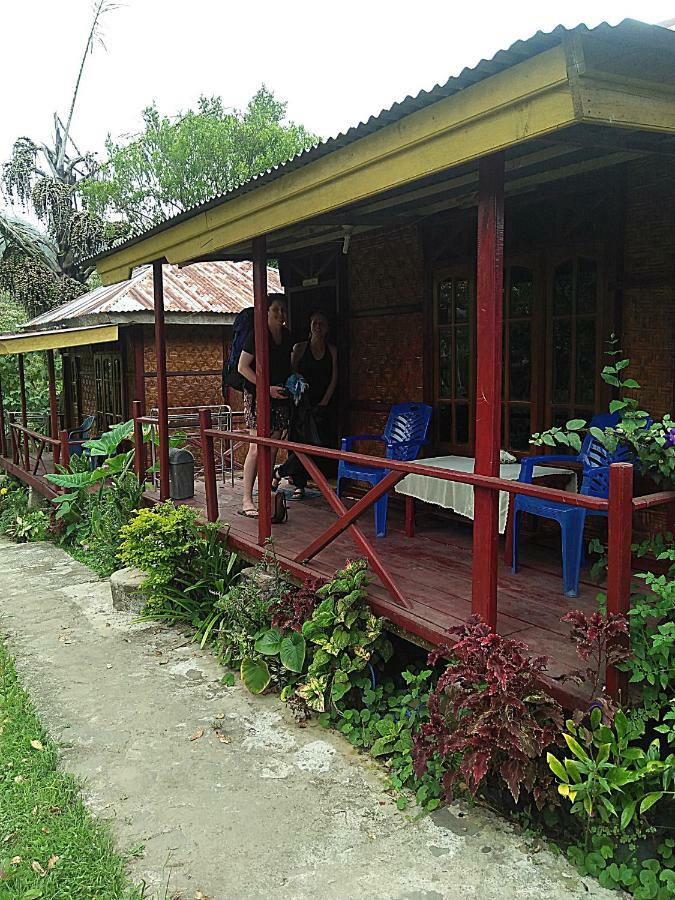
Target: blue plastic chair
{"x":80,"y":434}
{"x":404,"y":434}
{"x":595,"y":461}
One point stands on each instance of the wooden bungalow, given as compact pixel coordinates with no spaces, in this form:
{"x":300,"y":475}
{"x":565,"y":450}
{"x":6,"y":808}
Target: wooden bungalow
{"x":106,"y":340}
{"x":475,"y":246}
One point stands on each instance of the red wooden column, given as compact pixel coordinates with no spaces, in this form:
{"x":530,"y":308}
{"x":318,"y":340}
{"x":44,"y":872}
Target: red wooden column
{"x":139,"y":367}
{"x":209,"y":462}
{"x":139,"y":450}
{"x":65,"y":449}
{"x":619,"y":539}
{"x":262,"y":378}
{"x":489,"y":282}
{"x":53,"y":401}
{"x":24,"y":412}
{"x":162,"y":395}
{"x":3,"y":436}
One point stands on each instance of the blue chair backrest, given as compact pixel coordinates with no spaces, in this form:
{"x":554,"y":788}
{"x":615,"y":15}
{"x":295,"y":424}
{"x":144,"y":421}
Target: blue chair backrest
{"x":407,"y":424}
{"x":596,"y":458}
{"x":87,"y":425}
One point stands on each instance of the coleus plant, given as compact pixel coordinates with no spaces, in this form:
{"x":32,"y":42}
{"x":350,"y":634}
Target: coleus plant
{"x":488,"y":711}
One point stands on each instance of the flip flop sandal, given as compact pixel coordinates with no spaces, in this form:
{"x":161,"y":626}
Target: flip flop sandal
{"x":248,"y":513}
{"x":299,"y":494}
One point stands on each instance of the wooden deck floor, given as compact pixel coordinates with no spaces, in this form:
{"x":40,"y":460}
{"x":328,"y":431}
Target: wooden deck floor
{"x":433,"y":571}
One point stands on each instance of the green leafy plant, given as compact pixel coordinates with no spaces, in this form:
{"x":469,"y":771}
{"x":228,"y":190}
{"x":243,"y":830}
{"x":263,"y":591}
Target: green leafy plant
{"x":336,"y":643}
{"x":653,"y":441}
{"x":382,"y":719}
{"x":344,"y":637}
{"x":616,"y":787}
{"x":651,"y":663}
{"x":188,"y":567}
{"x":32,"y":526}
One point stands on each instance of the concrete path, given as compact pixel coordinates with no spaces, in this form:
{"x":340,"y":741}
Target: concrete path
{"x":269,"y":810}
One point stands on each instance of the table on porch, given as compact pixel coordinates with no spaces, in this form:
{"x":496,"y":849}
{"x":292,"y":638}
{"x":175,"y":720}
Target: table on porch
{"x":459,"y":497}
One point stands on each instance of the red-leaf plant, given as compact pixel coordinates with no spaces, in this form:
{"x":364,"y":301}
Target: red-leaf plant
{"x":600,"y":641}
{"x":489,"y":708}
{"x":296,"y":606}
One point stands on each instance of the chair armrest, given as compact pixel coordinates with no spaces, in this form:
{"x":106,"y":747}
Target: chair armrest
{"x":400,"y":444}
{"x":527,"y":464}
{"x":353,"y":438}
{"x":76,"y":431}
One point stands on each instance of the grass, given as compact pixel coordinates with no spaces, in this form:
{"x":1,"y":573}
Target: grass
{"x":50,"y":846}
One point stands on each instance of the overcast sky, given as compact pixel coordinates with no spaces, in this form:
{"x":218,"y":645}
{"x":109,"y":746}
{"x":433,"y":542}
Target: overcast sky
{"x":336,"y":63}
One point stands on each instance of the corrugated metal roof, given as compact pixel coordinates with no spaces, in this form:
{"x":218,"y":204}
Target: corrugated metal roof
{"x":503,"y":59}
{"x":202,"y":288}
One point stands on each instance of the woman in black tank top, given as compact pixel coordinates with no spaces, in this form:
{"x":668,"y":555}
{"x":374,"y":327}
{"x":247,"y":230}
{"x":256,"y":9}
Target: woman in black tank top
{"x":316,"y":361}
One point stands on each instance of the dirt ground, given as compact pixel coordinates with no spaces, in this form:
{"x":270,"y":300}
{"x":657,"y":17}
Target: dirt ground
{"x":254,"y":806}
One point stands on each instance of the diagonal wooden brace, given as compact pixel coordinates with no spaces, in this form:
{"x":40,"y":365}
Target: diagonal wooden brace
{"x":359,"y":538}
{"x":351,"y":515}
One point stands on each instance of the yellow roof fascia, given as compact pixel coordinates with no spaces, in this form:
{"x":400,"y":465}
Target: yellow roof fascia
{"x":603,"y":102}
{"x":526,"y":101}
{"x":32,"y":341}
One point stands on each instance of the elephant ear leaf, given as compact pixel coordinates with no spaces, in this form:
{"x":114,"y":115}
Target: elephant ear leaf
{"x":71,"y":480}
{"x":292,"y":651}
{"x":255,"y":674}
{"x":106,"y":444}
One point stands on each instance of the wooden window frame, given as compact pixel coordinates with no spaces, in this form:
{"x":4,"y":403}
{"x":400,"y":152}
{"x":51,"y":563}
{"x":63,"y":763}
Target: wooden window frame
{"x":543,"y":263}
{"x":467,"y":273}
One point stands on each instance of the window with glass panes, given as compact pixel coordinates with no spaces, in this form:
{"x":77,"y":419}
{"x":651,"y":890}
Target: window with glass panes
{"x":574,"y":353}
{"x":109,"y":396}
{"x":553,"y":321}
{"x":454,"y":316}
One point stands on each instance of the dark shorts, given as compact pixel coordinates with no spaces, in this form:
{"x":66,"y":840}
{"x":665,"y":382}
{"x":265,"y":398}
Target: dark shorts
{"x":279,"y":413}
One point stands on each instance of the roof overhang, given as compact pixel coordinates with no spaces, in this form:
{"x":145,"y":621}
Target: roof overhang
{"x":59,"y":339}
{"x":617,"y":80}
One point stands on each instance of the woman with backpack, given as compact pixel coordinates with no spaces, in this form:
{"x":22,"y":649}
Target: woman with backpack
{"x":280,"y":349}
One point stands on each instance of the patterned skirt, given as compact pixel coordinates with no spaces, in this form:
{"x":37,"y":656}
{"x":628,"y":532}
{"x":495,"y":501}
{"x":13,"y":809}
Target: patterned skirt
{"x":280,"y":413}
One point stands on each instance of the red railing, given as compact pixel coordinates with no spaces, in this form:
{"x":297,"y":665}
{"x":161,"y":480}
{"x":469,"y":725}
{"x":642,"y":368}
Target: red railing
{"x":21,"y":440}
{"x":619,"y":508}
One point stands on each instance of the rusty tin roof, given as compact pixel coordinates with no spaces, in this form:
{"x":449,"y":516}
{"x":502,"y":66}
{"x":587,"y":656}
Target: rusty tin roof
{"x":204,"y":289}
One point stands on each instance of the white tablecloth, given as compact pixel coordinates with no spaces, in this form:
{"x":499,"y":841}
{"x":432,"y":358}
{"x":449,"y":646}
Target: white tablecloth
{"x":459,"y":497}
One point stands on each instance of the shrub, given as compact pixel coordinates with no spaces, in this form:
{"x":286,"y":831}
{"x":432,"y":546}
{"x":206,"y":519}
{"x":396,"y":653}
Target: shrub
{"x":618,"y":789}
{"x":488,"y":708}
{"x":188,"y":566}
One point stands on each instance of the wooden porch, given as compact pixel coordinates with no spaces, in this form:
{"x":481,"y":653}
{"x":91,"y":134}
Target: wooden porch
{"x":433,"y":570}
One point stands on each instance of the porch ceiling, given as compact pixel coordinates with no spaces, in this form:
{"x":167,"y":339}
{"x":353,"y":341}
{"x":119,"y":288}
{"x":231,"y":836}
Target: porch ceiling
{"x":558,"y":104}
{"x":60,"y":339}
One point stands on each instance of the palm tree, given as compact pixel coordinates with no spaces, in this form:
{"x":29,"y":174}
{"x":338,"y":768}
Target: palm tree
{"x":43,"y":269}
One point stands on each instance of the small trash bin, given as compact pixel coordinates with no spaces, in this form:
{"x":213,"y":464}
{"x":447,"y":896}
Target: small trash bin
{"x":181,"y":474}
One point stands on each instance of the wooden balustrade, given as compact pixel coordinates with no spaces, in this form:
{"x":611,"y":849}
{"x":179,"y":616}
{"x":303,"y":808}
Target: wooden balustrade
{"x":619,"y":508}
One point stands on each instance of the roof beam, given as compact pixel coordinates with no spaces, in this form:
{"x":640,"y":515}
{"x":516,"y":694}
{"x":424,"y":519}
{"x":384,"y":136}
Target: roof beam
{"x":31,"y":341}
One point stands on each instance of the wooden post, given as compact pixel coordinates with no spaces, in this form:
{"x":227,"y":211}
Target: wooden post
{"x":209,"y":463}
{"x":24,"y":413}
{"x":139,"y":448}
{"x":3,"y":436}
{"x":162,"y":396}
{"x":53,"y":401}
{"x":139,"y":367}
{"x":619,"y":539}
{"x":66,"y":370}
{"x":13,"y":440}
{"x":262,"y":378}
{"x":489,"y":281}
{"x":410,"y":517}
{"x":65,"y":449}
